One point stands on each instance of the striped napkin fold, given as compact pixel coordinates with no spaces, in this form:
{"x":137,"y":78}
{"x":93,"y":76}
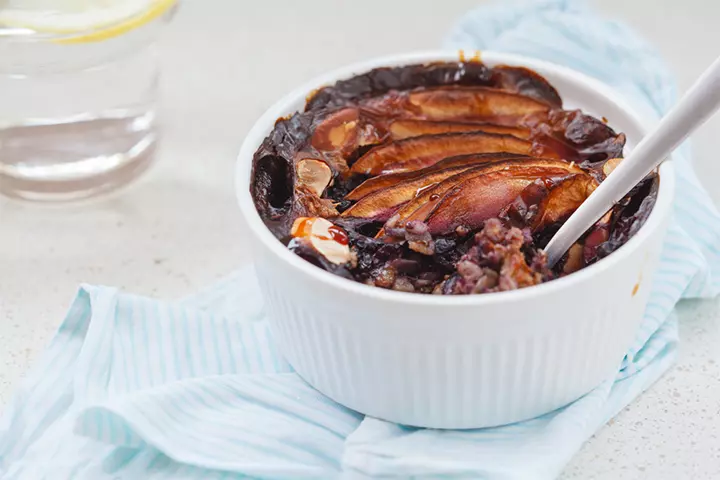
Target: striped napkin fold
{"x":134,"y":388}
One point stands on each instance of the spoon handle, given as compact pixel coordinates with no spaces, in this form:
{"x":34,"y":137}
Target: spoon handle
{"x":693,"y":109}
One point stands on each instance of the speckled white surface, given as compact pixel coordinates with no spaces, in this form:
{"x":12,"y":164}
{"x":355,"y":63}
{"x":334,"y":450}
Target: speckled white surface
{"x":177,"y":228}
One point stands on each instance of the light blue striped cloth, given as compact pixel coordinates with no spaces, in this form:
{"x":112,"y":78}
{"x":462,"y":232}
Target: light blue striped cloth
{"x":134,"y":388}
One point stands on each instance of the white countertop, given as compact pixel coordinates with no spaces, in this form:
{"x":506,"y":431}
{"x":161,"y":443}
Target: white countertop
{"x":178,"y":228}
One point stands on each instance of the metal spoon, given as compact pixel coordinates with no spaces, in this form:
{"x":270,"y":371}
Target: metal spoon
{"x":693,"y":109}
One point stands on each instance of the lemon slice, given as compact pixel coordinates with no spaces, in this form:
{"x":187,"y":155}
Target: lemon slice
{"x":79,"y":21}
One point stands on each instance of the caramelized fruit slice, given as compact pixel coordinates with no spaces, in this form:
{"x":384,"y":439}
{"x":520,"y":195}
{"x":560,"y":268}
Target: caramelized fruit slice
{"x":400,"y":129}
{"x":421,"y":206}
{"x":576,"y":136}
{"x":336,"y":129}
{"x":389,"y":179}
{"x":526,"y":82}
{"x":345,"y":130}
{"x":475,"y":200}
{"x":563,"y":199}
{"x":480,"y":197}
{"x":474,"y":103}
{"x":418,"y":152}
{"x":381,"y":204}
{"x":477,"y":158}
{"x":381,"y":80}
{"x":467,"y":73}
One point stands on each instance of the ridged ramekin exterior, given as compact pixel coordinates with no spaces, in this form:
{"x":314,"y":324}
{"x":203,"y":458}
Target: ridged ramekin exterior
{"x":464,"y":367}
{"x":461,"y":362}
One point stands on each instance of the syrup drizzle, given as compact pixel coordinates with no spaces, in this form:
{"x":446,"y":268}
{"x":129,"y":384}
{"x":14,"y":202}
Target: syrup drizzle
{"x":339,"y":235}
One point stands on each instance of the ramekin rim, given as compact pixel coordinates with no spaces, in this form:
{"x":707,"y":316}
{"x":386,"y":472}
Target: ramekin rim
{"x":279,"y":109}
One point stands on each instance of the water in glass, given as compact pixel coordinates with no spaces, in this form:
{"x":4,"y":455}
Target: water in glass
{"x":75,"y":118}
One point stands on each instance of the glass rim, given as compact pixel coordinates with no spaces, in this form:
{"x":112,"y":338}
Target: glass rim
{"x":29,"y":35}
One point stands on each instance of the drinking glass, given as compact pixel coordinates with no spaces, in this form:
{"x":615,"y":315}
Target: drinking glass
{"x":77,"y":111}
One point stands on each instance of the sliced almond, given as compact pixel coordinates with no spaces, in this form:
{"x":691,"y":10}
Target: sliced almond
{"x":611,"y":165}
{"x":574,"y":259}
{"x":605,"y":220}
{"x":327,"y":239}
{"x":337,"y":130}
{"x":314,"y":174}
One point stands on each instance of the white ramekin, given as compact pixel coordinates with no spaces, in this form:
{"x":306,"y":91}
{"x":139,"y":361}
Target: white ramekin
{"x":458,"y":361}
